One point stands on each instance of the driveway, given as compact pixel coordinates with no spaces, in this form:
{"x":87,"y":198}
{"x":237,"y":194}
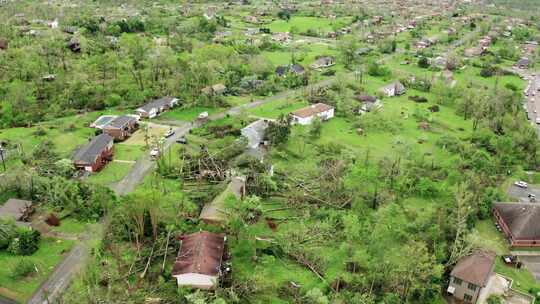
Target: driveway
{"x":521,"y":194}
{"x":532,"y":263}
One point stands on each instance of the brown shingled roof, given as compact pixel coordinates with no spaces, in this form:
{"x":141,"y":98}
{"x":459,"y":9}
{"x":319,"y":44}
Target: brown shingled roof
{"x":523,"y":219}
{"x":475,"y":268}
{"x":312,"y":110}
{"x":201,"y":252}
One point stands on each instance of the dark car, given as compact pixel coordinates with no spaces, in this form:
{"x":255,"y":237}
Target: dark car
{"x":182,"y":140}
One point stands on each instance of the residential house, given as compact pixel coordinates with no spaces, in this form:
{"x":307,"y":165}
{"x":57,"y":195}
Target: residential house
{"x":394,"y":89}
{"x":474,"y":52}
{"x":306,"y":115}
{"x":155,"y":107}
{"x":94,"y":155}
{"x":199,"y":260}
{"x":214,"y":212}
{"x":323,"y":62}
{"x":283,"y":38}
{"x":251,"y":19}
{"x":74,"y":45}
{"x":368,"y":103}
{"x":470,"y":275}
{"x":255,"y":133}
{"x":214,"y":90}
{"x":523,"y":63}
{"x":121,"y":127}
{"x":520,"y":222}
{"x":17,"y":210}
{"x":448,"y":77}
{"x":295,"y":69}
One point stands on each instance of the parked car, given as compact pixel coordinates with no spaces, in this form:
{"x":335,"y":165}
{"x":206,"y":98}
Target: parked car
{"x":169,"y":133}
{"x":203,"y":115}
{"x":521,"y":184}
{"x":182,"y":140}
{"x":154,"y":153}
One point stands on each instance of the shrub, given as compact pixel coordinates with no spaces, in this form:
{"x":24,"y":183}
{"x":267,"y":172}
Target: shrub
{"x":423,"y":62}
{"x":22,"y":269}
{"x":419,"y":99}
{"x":7,"y":233}
{"x":52,"y":220}
{"x":25,"y":243}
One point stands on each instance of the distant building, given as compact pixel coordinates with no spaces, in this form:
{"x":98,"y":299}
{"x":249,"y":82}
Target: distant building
{"x":214,"y":90}
{"x":255,"y":133}
{"x":323,"y":62}
{"x":394,"y":89}
{"x":470,"y":275}
{"x":368,"y":103}
{"x":156,"y":107}
{"x":520,"y":222}
{"x":94,"y":155}
{"x":523,"y":63}
{"x":306,"y":115}
{"x":295,"y":69}
{"x":199,"y":260}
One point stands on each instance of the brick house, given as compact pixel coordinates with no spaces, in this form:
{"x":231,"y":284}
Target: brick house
{"x":121,"y":127}
{"x":94,"y":155}
{"x":520,"y":222}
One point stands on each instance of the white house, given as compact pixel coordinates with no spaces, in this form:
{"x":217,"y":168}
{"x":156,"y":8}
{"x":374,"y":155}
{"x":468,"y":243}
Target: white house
{"x":155,"y":107}
{"x":306,"y":115}
{"x":394,"y":89}
{"x":255,"y":132}
{"x":199,"y":260}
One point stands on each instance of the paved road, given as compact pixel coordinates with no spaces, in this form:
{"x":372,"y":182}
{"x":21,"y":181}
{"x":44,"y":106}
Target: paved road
{"x":521,"y":194}
{"x":61,"y":277}
{"x":532,"y":263}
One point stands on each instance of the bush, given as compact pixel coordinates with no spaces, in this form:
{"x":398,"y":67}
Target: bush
{"x":25,"y":243}
{"x":7,"y":233}
{"x":419,"y":99}
{"x":487,"y":71}
{"x":494,"y":299}
{"x":22,"y":269}
{"x":423,"y":62}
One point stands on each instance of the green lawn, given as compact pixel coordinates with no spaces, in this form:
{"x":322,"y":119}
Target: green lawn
{"x":49,"y":254}
{"x":71,"y":226}
{"x":276,"y":108}
{"x":187,"y":114}
{"x":302,"y":24}
{"x":128,"y":152}
{"x":523,"y":279}
{"x":112,"y":173}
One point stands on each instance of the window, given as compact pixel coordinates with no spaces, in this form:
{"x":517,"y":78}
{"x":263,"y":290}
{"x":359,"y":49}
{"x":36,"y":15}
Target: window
{"x":467,"y":298}
{"x":472,"y":286}
{"x":457,"y":281}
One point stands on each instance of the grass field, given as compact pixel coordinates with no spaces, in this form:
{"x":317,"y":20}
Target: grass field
{"x":49,"y":254}
{"x":276,"y":108}
{"x":302,"y":24}
{"x":187,"y":114}
{"x":112,"y":173}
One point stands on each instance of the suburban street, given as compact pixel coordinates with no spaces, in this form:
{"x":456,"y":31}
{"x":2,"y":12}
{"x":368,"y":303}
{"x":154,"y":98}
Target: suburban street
{"x":61,"y":277}
{"x":76,"y":259}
